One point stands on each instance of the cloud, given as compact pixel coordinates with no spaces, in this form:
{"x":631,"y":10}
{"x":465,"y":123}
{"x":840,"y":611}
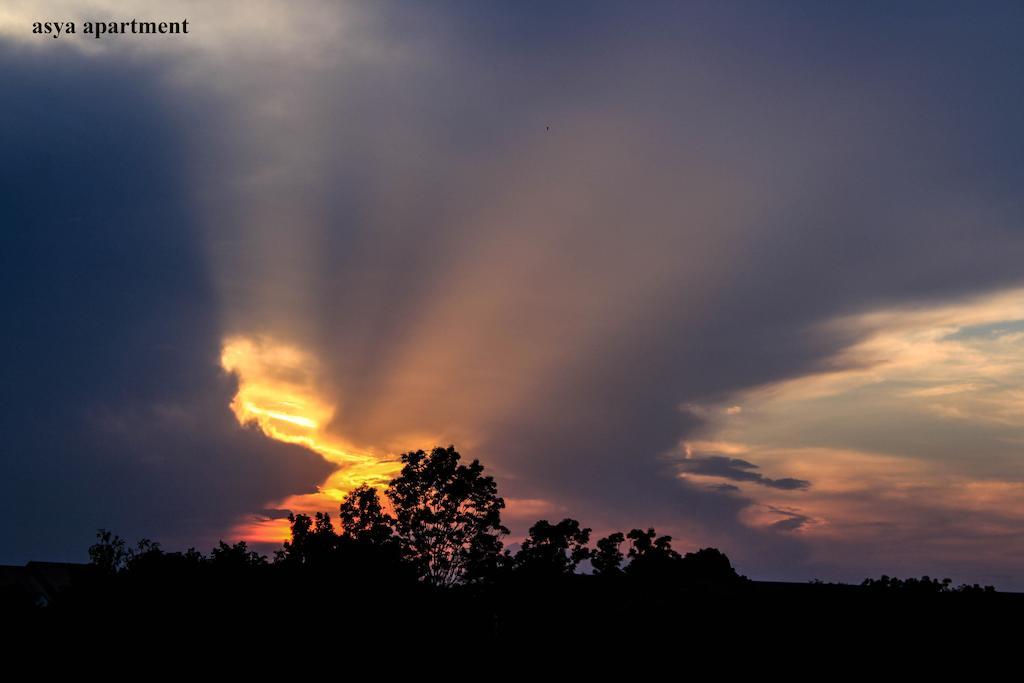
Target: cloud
{"x":274,"y":514}
{"x":792,"y":520}
{"x":738,"y":470}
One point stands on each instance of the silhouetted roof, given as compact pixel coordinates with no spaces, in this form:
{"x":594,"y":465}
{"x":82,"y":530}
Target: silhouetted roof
{"x":39,"y":582}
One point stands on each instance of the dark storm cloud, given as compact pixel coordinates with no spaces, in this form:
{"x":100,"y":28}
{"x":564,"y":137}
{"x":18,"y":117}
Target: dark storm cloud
{"x":114,"y":412}
{"x":791,"y":521}
{"x":737,"y":470}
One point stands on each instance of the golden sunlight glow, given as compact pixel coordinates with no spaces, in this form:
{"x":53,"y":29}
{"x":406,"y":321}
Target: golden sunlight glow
{"x":279,"y":393}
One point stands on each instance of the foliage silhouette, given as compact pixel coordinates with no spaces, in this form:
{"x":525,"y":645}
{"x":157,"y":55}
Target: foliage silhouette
{"x":553,"y":549}
{"x":606,"y":557}
{"x":923,"y":586}
{"x":651,"y":556}
{"x":313,"y":541}
{"x":363,"y":518}
{"x":708,"y":565}
{"x":233,"y":556}
{"x":447,"y":517}
{"x":109,"y":553}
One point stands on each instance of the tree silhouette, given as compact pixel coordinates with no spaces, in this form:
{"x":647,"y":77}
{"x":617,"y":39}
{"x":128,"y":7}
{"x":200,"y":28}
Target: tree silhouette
{"x":923,"y":586}
{"x":708,"y":565}
{"x":553,"y":549}
{"x":447,"y":517}
{"x":109,"y":552}
{"x":607,"y":558}
{"x":313,"y":541}
{"x":236,"y":556}
{"x":651,"y":556}
{"x":147,"y":555}
{"x":363,"y":518}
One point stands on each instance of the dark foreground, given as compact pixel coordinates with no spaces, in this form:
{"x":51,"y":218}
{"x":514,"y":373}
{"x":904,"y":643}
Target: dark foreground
{"x":377,"y":604}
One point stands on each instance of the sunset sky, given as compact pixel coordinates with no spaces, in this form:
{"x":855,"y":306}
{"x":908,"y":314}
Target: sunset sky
{"x":748,"y":272}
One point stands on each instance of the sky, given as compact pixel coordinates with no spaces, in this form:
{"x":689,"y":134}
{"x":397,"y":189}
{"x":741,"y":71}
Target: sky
{"x":746,"y":272}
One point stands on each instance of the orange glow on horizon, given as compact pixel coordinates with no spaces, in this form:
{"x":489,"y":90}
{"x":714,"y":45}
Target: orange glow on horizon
{"x":278,"y":392}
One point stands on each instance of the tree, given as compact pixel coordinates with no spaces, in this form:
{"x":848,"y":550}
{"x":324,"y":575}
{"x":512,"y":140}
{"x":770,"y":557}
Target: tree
{"x":363,"y":518}
{"x":647,"y":544}
{"x":313,"y":541}
{"x":109,"y":553}
{"x":708,"y":565}
{"x":651,"y":556}
{"x":653,"y":559}
{"x":553,"y":549}
{"x":236,"y":557}
{"x":447,"y":517}
{"x":146,"y":556}
{"x":607,"y":558}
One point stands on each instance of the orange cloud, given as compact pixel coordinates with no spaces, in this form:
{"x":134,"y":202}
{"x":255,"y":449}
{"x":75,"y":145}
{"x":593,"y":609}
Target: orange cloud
{"x":279,"y":393}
